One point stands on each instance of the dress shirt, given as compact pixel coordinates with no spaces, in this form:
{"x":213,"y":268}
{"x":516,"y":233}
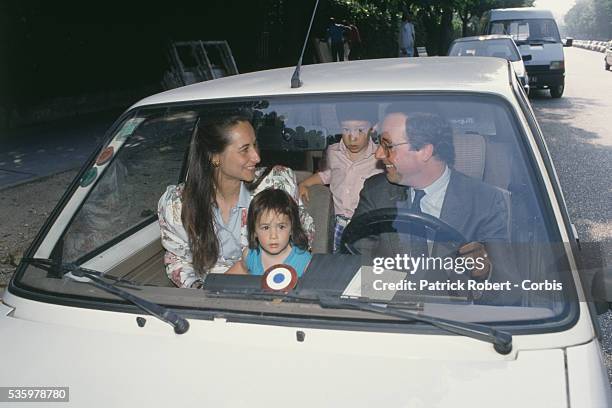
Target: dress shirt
{"x":228,"y":234}
{"x":345,"y":177}
{"x":433,"y":200}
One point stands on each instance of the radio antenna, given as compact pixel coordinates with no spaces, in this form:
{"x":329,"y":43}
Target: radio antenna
{"x":295,"y":78}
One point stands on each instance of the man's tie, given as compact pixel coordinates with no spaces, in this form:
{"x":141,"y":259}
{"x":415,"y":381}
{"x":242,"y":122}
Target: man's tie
{"x":419,"y":237}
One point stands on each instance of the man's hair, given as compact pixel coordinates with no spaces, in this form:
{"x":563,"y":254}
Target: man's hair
{"x":429,"y":128}
{"x":357,"y":111}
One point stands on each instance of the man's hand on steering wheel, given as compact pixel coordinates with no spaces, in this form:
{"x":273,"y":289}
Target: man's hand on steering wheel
{"x":473,"y":250}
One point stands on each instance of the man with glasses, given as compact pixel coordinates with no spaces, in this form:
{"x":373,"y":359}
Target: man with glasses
{"x":349,"y":163}
{"x":418,"y":154}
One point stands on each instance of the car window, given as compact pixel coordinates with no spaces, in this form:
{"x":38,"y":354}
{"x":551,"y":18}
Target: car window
{"x":499,"y":200}
{"x":485,"y":48}
{"x":527,"y":30}
{"x":150,"y":156}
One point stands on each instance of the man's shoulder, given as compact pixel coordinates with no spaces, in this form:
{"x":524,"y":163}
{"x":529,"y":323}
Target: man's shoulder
{"x":472,"y":186}
{"x":379,"y":184}
{"x":377,"y":180}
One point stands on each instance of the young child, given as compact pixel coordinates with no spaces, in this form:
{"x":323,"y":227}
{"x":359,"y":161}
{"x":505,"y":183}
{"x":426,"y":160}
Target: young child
{"x":275,"y":235}
{"x":349,"y":163}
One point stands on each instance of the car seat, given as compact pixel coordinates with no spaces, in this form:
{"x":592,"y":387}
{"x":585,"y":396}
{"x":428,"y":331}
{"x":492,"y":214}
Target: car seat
{"x":321,"y":208}
{"x":471,"y":159}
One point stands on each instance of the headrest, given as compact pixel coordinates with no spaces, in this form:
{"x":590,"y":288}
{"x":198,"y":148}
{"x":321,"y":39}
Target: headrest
{"x":470,"y":152}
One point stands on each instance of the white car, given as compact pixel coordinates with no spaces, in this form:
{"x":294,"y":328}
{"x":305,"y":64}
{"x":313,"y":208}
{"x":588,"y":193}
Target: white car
{"x":495,"y":45}
{"x":91,"y":308}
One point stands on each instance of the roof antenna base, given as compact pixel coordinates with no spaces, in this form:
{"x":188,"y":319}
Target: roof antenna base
{"x":295,"y":78}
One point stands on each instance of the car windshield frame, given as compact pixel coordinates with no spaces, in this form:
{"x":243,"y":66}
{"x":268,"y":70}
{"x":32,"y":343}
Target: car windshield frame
{"x":72,"y":296}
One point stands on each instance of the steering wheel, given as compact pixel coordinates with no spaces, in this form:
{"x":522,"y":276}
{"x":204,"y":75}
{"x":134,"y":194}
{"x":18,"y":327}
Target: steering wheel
{"x":390,"y":220}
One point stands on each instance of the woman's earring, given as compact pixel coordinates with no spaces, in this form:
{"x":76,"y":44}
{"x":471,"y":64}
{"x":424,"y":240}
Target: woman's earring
{"x":215,"y":164}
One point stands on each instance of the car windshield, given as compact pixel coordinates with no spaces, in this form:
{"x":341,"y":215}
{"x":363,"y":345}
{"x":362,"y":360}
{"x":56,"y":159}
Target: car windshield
{"x":501,"y":48}
{"x":528,"y":30}
{"x":482,"y":201}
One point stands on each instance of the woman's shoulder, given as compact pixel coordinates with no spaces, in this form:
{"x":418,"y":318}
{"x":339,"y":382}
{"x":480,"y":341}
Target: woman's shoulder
{"x":278,"y":177}
{"x":276,"y":171}
{"x":172,"y":197}
{"x":174,"y":192}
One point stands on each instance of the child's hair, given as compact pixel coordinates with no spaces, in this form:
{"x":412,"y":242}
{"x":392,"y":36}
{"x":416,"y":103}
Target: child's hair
{"x":276,"y":200}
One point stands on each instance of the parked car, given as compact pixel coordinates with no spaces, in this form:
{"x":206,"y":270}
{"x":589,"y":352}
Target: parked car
{"x":608,"y":57}
{"x":535,"y":33}
{"x":91,"y":308}
{"x":500,"y":46}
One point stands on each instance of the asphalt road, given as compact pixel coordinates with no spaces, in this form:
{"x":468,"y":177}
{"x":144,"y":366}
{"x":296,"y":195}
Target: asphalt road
{"x":27,"y":154}
{"x":578,"y":132}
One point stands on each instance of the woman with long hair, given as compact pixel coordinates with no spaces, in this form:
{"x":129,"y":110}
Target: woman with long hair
{"x":203,"y":221}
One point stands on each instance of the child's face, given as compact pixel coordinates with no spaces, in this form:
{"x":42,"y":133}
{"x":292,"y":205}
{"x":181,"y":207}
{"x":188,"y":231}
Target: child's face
{"x":273,"y":230}
{"x":355,"y":134}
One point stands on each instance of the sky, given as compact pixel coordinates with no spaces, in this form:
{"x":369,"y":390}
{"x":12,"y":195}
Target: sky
{"x":558,"y":7}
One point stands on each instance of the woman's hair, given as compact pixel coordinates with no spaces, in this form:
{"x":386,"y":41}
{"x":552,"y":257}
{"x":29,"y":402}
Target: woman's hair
{"x":199,"y":197}
{"x":278,"y":201}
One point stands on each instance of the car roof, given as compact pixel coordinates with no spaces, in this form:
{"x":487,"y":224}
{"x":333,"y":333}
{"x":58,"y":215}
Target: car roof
{"x":479,"y":74}
{"x":484,"y":38}
{"x":520,"y":13}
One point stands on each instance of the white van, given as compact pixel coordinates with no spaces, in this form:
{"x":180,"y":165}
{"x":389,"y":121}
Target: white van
{"x":535,"y":32}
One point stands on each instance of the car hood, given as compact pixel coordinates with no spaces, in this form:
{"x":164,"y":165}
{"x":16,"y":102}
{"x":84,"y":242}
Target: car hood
{"x":542,"y":54}
{"x":110,"y":361}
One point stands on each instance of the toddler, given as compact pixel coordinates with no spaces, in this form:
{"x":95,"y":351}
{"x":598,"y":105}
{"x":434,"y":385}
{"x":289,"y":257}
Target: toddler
{"x":275,"y":235}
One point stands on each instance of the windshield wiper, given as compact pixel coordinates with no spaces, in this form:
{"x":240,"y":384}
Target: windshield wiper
{"x":501,"y":340}
{"x":95,"y":278}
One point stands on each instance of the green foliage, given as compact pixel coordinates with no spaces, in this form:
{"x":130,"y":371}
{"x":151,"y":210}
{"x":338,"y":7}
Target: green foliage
{"x":377,"y":21}
{"x":436,"y":22}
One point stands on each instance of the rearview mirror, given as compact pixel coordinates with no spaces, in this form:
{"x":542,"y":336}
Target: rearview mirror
{"x":526,"y":57}
{"x":569,"y":41}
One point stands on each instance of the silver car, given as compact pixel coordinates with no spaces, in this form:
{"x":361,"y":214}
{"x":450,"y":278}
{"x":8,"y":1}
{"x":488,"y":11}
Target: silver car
{"x":501,"y":46}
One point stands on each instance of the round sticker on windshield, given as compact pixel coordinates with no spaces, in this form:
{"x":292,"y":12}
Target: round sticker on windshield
{"x":105,"y":156}
{"x":279,"y":278}
{"x":89,"y":177}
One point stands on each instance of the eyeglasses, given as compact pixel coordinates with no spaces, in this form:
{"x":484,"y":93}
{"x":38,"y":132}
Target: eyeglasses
{"x":388,"y":147}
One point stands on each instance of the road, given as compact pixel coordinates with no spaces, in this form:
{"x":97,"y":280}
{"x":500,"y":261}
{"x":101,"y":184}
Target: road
{"x":578,"y":132}
{"x":579,"y":136}
{"x":30,"y":153}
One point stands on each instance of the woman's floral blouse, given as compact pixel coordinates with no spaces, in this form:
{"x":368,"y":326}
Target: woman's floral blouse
{"x":178,"y":259}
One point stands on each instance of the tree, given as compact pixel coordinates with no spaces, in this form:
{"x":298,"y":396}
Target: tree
{"x":590,"y":20}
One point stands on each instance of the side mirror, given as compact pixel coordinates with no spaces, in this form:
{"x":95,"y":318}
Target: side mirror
{"x":569,"y":41}
{"x":526,"y":57}
{"x":601,"y":290}
{"x":596,"y":278}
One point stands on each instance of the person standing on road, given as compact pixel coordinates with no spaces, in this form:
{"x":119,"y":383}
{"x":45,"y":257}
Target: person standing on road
{"x":335,"y":37}
{"x":354,"y":40}
{"x":406,"y":38}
